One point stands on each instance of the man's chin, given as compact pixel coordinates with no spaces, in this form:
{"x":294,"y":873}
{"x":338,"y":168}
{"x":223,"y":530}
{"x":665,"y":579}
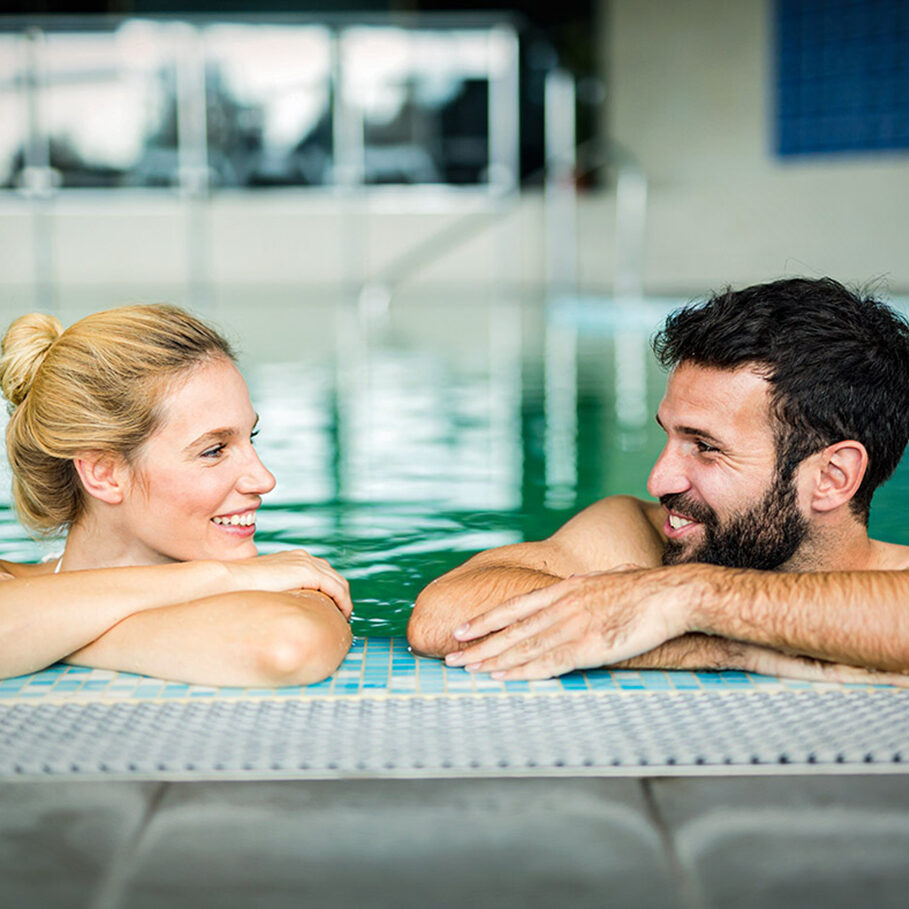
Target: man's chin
{"x":679,"y":554}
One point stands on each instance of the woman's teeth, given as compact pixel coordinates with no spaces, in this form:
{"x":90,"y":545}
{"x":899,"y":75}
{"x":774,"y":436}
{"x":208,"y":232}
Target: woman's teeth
{"x":675,"y":522}
{"x":237,"y":520}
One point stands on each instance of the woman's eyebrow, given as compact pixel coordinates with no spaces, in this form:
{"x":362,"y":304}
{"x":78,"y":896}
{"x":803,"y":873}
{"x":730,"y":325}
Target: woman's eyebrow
{"x":216,"y":435}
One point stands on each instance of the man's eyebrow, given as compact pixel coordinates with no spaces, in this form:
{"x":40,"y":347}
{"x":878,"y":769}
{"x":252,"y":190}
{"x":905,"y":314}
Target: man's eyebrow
{"x":692,"y":431}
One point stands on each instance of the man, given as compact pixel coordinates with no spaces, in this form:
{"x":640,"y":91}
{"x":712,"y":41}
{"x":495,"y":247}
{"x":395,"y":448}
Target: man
{"x":786,"y":406}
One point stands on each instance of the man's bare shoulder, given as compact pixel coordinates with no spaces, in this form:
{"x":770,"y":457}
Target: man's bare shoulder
{"x":614,"y":531}
{"x":890,"y":556}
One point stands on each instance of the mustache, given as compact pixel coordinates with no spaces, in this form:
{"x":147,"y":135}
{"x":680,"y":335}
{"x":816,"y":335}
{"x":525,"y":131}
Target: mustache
{"x":684,"y":504}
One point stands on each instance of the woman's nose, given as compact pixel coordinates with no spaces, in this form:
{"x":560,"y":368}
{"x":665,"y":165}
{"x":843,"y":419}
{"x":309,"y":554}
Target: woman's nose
{"x":257,"y":478}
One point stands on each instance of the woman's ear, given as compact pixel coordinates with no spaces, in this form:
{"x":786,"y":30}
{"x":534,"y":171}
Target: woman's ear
{"x":103,"y":475}
{"x":841,"y":469}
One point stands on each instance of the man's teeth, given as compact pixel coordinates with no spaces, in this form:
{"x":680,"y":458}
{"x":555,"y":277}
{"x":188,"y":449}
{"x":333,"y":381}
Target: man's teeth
{"x":675,"y":522}
{"x":237,"y":520}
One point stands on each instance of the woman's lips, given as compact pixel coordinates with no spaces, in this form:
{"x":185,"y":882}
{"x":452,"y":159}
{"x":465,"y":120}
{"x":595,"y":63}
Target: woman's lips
{"x":240,"y":523}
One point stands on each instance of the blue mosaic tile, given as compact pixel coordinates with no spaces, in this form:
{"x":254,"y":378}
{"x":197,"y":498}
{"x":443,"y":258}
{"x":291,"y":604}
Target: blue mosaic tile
{"x":380,"y":666}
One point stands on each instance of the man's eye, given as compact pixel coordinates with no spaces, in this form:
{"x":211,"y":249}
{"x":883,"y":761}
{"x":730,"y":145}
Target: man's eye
{"x":214,"y":452}
{"x":704,"y":447}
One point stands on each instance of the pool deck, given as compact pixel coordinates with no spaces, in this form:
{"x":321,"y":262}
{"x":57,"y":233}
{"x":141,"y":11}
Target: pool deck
{"x":400,"y":783}
{"x":831,"y":841}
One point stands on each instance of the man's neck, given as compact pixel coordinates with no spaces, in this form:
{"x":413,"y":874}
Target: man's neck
{"x":845,"y":547}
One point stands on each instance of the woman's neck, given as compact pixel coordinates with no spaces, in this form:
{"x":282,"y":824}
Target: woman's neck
{"x":91,"y":543}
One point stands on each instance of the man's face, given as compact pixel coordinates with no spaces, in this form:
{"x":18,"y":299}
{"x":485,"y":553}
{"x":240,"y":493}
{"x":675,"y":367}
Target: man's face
{"x":717,"y":474}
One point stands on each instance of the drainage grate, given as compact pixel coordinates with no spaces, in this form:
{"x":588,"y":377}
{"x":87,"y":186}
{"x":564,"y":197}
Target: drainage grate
{"x":516,"y":734}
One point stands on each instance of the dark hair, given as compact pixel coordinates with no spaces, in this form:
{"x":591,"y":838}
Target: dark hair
{"x":837,"y":363}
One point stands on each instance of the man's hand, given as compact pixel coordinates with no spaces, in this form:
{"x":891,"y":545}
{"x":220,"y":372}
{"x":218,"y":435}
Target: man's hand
{"x":579,"y":623}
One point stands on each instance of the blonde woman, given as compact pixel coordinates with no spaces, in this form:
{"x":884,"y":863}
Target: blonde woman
{"x":132,"y":432}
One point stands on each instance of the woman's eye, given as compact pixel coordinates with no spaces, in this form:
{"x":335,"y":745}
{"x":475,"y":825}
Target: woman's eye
{"x":252,"y":436}
{"x":214,"y":452}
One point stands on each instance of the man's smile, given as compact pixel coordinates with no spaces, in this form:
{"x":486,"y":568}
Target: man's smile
{"x":678,"y":525}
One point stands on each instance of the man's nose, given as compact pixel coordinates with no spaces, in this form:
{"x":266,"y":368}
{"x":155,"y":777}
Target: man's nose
{"x":667,"y":475}
{"x":256,"y":478}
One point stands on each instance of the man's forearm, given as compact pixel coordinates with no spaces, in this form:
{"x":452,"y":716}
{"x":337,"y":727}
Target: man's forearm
{"x":859,"y":618}
{"x":460,"y":596}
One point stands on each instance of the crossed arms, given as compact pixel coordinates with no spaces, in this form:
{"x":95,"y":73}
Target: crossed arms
{"x":279,"y":619}
{"x":594,"y":594}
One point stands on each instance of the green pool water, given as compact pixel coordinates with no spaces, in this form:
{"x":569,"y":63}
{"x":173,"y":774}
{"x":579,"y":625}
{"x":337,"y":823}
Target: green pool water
{"x":405,"y":442}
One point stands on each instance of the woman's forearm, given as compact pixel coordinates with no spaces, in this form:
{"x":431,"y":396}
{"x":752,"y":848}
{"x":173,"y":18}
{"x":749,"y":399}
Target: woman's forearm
{"x":43,"y":618}
{"x":249,"y":639}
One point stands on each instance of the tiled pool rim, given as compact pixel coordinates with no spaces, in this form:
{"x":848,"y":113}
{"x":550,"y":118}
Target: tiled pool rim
{"x":388,"y":713}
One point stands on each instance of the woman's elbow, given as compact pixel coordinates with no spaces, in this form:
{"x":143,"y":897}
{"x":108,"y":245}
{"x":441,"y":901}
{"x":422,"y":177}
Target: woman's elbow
{"x":301,"y":648}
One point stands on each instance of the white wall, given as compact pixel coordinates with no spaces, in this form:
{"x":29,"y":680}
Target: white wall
{"x":690,"y":94}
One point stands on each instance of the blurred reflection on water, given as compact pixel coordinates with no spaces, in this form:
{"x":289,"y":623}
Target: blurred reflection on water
{"x":404,"y":445}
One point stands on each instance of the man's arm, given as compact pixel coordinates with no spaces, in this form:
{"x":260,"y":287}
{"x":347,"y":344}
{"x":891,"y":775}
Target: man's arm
{"x":701,"y":651}
{"x":614,"y":531}
{"x":855,"y":618}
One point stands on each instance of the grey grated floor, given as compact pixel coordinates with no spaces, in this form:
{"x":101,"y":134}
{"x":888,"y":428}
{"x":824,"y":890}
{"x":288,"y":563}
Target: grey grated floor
{"x":558,"y":734}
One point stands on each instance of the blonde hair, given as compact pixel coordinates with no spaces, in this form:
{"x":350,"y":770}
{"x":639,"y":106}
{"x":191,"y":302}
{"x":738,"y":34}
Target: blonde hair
{"x":95,"y":386}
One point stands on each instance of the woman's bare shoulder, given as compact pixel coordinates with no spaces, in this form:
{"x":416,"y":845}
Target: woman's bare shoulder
{"x":24,"y":570}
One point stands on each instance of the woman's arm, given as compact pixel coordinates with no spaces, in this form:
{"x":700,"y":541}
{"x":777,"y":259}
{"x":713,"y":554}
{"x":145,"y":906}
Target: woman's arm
{"x":248,"y":639}
{"x":45,"y":617}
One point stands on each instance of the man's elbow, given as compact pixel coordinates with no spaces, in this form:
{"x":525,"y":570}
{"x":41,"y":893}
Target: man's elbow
{"x":299,"y":650}
{"x":427,"y":633}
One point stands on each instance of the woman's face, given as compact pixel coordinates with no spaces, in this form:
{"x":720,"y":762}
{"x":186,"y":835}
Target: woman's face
{"x":195,"y":487}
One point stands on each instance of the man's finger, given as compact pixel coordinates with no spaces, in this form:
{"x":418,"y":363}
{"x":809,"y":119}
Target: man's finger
{"x":509,"y":612}
{"x":529,"y":649}
{"x":507,"y":640}
{"x":546,"y":666}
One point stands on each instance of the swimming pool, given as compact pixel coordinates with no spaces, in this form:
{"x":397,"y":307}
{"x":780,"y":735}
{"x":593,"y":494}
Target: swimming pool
{"x":403,"y":442}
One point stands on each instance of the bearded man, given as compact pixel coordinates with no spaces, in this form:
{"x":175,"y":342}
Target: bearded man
{"x":786,"y":406}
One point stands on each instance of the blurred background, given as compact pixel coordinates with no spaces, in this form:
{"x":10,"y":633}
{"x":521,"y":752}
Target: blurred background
{"x":165,"y":147}
{"x":441,"y":237}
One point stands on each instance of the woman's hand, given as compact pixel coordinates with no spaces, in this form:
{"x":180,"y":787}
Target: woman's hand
{"x":292,"y":569}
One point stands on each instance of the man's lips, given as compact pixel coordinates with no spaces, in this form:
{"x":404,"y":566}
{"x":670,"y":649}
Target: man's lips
{"x":678,"y":525}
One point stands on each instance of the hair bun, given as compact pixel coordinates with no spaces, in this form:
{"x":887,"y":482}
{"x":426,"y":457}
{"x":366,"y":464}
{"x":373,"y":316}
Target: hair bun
{"x":24,"y":348}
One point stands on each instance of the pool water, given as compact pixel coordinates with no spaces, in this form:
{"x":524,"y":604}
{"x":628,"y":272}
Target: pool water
{"x":404,"y":442}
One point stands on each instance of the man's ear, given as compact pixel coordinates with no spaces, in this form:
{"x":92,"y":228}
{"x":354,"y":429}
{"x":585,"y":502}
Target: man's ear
{"x":103,"y":475}
{"x":840,"y":470}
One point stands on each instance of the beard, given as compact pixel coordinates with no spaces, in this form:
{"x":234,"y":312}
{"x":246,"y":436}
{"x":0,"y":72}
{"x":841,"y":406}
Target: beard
{"x":765,"y":536}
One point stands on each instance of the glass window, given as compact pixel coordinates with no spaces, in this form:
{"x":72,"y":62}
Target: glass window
{"x":108,"y":102}
{"x":13,"y":110}
{"x":423,"y":98}
{"x":268,"y":105}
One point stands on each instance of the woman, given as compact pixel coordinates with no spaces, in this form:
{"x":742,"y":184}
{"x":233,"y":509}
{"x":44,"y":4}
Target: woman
{"x":132,"y":431}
